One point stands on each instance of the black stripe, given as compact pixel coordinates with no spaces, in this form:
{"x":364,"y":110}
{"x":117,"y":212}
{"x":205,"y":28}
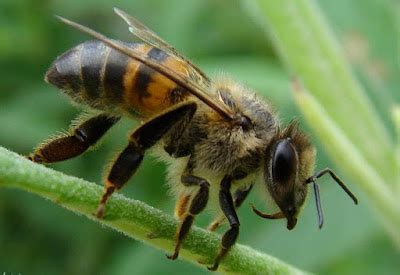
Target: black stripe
{"x":143,"y":79}
{"x":65,"y":73}
{"x":114,"y":75}
{"x":92,"y":59}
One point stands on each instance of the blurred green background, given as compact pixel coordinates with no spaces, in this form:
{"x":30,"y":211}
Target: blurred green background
{"x":38,"y":237}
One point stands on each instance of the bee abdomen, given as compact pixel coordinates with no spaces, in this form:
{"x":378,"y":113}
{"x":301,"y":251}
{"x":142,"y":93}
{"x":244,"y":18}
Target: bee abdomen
{"x":64,"y":73}
{"x":103,"y":78}
{"x":90,"y":73}
{"x":93,"y":56}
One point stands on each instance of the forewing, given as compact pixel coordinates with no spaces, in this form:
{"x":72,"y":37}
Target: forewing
{"x":185,"y":82}
{"x":138,"y":29}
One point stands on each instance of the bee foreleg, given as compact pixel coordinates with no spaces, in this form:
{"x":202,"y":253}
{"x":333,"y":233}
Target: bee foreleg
{"x":76,"y":143}
{"x":197,"y":205}
{"x":142,"y":139}
{"x":239,"y":196}
{"x":227,"y":206}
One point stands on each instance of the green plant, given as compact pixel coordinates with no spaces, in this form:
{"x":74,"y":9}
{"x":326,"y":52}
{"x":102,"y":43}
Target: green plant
{"x":131,"y":217}
{"x":214,"y":40}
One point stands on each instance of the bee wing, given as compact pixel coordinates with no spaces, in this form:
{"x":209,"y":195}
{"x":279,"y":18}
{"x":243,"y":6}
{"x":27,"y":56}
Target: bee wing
{"x":138,"y":29}
{"x":191,"y":86}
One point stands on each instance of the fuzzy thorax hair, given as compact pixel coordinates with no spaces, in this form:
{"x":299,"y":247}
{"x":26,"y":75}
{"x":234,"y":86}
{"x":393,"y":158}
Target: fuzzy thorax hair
{"x":229,"y":147}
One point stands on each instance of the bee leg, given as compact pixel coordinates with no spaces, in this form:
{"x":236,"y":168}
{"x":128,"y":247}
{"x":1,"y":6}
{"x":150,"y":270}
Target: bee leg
{"x":227,"y":206}
{"x":239,"y":197}
{"x":180,"y":210}
{"x":181,"y":205}
{"x":197,"y":205}
{"x":69,"y":146}
{"x":174,"y":145}
{"x":216,"y":223}
{"x":142,"y":139}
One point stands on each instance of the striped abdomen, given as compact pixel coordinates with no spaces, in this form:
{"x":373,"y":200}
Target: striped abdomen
{"x":94,"y":74}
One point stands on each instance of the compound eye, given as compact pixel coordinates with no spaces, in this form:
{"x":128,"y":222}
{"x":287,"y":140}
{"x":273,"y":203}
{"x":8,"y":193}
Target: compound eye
{"x":284,"y":162}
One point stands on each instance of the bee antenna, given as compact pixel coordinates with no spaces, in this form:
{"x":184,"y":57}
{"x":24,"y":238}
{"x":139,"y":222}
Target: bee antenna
{"x":313,"y":179}
{"x":318,"y":204}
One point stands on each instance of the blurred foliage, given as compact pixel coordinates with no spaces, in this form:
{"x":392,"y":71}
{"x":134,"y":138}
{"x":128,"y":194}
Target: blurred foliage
{"x":38,"y":238}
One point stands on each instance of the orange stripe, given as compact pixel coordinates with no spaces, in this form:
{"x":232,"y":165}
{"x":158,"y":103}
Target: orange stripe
{"x":131,"y":98}
{"x":181,"y":206}
{"x":156,"y":96}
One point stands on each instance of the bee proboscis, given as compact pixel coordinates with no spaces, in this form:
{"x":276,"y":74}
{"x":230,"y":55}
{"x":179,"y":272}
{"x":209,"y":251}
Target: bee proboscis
{"x":218,"y":137}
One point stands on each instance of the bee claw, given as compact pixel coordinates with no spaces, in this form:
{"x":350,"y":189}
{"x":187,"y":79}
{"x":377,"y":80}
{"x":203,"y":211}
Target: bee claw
{"x":205,"y":262}
{"x":173,"y":256}
{"x":100,"y":212}
{"x":213,"y":268}
{"x":37,"y":158}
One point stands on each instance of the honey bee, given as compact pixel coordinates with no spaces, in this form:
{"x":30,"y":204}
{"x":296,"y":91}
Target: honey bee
{"x":218,"y":137}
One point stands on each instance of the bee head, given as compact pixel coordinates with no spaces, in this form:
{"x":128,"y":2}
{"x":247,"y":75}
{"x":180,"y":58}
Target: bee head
{"x":288,"y":169}
{"x":288,"y":163}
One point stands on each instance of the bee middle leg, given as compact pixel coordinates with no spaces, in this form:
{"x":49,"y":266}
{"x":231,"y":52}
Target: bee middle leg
{"x":81,"y":138}
{"x":226,"y":203}
{"x":142,"y":139}
{"x":238,"y":198}
{"x":197,"y":204}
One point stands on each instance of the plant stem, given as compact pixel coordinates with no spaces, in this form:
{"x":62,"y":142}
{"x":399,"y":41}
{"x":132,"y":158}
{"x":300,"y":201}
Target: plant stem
{"x":396,"y":11}
{"x":133,"y":218}
{"x":396,"y":120}
{"x":307,"y":46}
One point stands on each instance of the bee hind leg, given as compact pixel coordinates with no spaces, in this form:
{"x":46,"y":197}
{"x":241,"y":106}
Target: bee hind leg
{"x":142,"y":139}
{"x":77,"y":142}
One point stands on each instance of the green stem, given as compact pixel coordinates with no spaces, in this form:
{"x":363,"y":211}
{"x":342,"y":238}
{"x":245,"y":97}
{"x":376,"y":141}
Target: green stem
{"x":131,"y":217}
{"x":346,"y":155}
{"x":308,"y":48}
{"x":396,"y":12}
{"x":396,"y":120}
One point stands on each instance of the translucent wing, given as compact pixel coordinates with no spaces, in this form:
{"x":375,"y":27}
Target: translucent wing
{"x":144,"y":33}
{"x":191,"y":86}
